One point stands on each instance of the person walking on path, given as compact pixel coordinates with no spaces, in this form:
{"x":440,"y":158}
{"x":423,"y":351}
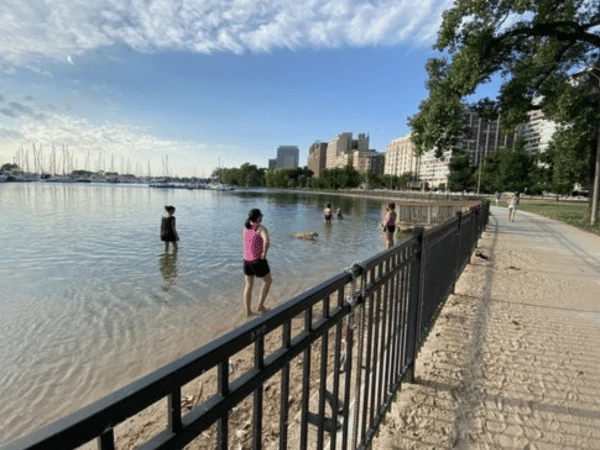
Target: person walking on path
{"x":389,"y":224}
{"x":498,"y":197}
{"x":256,"y":245}
{"x":513,"y":203}
{"x":168,"y":229}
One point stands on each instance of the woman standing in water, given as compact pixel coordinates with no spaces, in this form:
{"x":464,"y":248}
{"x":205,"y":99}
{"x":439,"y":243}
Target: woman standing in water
{"x":389,"y":224}
{"x":256,"y":245}
{"x":168,"y":230}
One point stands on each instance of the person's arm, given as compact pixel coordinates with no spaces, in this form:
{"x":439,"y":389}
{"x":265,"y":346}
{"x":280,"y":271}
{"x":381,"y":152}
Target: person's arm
{"x":174,"y":229}
{"x":266,"y":243}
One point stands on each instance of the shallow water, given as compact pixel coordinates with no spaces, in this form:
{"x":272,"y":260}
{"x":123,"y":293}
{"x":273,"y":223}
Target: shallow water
{"x":89,"y":302}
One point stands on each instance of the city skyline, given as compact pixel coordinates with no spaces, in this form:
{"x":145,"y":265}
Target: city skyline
{"x":232,"y":84}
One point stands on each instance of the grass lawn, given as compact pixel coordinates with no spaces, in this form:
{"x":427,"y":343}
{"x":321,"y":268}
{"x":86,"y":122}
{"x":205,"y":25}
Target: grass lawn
{"x":571,"y":212}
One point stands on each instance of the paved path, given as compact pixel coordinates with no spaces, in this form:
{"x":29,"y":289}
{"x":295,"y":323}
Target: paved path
{"x":514,"y":359}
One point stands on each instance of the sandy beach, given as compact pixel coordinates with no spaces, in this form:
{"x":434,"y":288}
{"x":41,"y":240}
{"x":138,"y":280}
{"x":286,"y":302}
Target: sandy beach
{"x":513,"y":361}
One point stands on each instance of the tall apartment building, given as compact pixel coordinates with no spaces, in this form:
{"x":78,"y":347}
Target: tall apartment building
{"x":369,"y":162}
{"x":537,"y":132}
{"x":287,"y":156}
{"x":317,"y":158}
{"x":434,"y":170}
{"x":340,"y":149}
{"x":400,"y":157}
{"x":484,"y":137}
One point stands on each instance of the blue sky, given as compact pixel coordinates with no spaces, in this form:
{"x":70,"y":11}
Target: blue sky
{"x":201,"y":80}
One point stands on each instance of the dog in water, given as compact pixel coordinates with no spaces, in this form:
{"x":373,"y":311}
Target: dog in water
{"x":308,"y":235}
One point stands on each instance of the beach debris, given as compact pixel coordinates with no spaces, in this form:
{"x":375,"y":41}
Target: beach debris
{"x":516,"y":322}
{"x":580,"y":372}
{"x":198,"y":394}
{"x":513,"y":268}
{"x":481,"y":255}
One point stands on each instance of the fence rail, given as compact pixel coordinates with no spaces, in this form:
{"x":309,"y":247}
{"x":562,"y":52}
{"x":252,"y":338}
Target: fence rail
{"x":325,"y":366}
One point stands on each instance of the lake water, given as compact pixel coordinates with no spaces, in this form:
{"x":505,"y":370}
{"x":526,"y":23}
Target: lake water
{"x":89,"y":302}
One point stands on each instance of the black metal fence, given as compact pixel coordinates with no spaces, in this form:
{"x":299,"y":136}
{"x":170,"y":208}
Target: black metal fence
{"x":320,"y":370}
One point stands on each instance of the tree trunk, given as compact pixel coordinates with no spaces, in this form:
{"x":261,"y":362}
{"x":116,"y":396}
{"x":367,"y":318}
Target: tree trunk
{"x":596,"y":182}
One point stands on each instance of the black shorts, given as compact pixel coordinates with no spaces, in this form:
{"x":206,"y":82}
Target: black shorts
{"x":389,"y":228}
{"x":327,"y":217}
{"x":258,"y":268}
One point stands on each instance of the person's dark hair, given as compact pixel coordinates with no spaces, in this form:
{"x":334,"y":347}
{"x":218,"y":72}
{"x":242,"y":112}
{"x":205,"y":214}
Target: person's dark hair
{"x":169,"y":208}
{"x":329,"y":205}
{"x":253,"y":216}
{"x":392,"y":205}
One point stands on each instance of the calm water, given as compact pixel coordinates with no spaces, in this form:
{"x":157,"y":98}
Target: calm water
{"x":88,"y":302}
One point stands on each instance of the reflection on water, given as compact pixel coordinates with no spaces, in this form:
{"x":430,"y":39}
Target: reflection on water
{"x":168,"y":269}
{"x":85,"y":307}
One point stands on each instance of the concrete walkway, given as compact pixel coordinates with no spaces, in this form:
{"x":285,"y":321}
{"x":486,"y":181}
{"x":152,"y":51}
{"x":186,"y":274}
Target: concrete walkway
{"x":514,"y":359}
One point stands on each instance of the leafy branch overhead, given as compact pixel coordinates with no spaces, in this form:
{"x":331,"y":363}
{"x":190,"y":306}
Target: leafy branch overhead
{"x":533,"y":46}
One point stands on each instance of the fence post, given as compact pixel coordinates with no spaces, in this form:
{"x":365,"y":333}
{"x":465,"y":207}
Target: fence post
{"x":414,"y":301}
{"x":457,"y":266}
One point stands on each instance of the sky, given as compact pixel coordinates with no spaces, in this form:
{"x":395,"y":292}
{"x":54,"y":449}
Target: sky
{"x":123,"y":83}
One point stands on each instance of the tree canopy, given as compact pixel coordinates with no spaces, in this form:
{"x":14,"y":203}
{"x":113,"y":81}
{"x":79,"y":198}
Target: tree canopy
{"x":542,"y":50}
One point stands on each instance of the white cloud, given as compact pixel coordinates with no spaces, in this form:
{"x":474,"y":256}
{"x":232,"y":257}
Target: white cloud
{"x":102,"y":141}
{"x":39,"y":30}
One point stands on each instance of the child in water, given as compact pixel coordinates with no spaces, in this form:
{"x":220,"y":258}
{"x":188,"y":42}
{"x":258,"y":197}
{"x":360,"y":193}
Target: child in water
{"x":339,"y":213}
{"x":327,"y":213}
{"x":168,"y":230}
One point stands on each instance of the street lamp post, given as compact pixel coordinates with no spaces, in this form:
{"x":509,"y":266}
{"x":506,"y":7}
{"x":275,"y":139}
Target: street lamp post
{"x":596,"y":188}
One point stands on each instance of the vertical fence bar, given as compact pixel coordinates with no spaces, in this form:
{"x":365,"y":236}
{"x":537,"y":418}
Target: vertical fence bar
{"x":402,"y":316}
{"x":174,"y":407}
{"x":259,"y":353}
{"x":336,"y":373}
{"x":412,"y":332}
{"x":367,"y":368}
{"x":223,"y":422}
{"x":285,"y":388}
{"x":106,"y":441}
{"x":348,"y":381}
{"x":305,"y":384}
{"x":458,"y":262}
{"x":389,"y":342}
{"x":322,"y":390}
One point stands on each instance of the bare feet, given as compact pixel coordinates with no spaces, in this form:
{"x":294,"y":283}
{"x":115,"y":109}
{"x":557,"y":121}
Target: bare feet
{"x":262,"y":309}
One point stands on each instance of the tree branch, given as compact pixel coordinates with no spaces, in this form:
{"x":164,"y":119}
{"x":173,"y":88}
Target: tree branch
{"x":551,"y":29}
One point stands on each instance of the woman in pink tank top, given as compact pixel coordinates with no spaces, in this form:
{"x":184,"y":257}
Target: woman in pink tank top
{"x":389,"y":224}
{"x":256,"y":245}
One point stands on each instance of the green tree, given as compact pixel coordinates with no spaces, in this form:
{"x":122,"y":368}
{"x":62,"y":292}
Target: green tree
{"x":9,"y":168}
{"x":511,"y":170}
{"x":535,"y":46}
{"x":461,"y":172}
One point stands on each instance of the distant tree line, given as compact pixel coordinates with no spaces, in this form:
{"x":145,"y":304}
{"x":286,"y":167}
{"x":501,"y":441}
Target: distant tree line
{"x":515,"y":169}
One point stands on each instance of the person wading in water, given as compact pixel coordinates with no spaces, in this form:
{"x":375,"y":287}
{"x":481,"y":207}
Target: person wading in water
{"x":256,"y":245}
{"x":168,"y":230}
{"x":389,"y":224}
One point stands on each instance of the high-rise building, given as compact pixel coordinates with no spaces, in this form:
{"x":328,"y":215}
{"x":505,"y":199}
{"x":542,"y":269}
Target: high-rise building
{"x":340,"y":149}
{"x":368,"y":162}
{"x":287,"y":156}
{"x":484,"y":137}
{"x":273,"y":163}
{"x":537,"y":132}
{"x":317,"y":157}
{"x":400,"y":157}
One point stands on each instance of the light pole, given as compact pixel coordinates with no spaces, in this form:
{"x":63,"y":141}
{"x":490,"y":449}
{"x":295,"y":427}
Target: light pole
{"x":596,"y":188}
